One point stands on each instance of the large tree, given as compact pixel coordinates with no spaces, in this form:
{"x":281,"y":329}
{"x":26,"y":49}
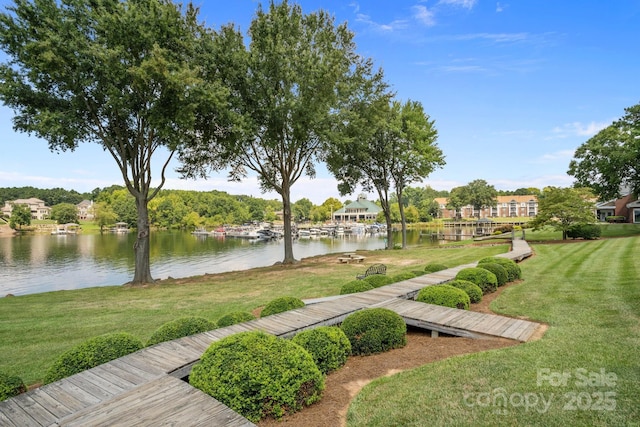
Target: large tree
{"x":20,"y":215}
{"x":287,"y":84}
{"x":64,"y":213}
{"x":415,"y":154}
{"x":609,"y":162}
{"x":561,"y":208}
{"x":479,"y":194}
{"x":126,"y":74}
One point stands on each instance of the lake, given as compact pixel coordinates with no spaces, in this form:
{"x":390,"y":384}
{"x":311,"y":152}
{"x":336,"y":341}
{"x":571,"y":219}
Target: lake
{"x":42,"y":263}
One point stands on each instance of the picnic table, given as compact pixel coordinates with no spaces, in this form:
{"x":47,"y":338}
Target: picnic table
{"x":351,"y":257}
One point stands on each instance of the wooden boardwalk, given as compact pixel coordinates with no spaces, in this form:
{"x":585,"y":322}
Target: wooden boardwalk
{"x":146,"y":387}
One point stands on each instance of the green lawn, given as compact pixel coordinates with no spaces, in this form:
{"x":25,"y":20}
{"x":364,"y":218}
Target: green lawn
{"x":35,"y":329}
{"x":585,"y":371}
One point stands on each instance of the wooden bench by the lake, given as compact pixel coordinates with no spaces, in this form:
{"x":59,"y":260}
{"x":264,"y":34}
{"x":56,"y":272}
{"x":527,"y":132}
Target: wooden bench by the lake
{"x":374,"y":269}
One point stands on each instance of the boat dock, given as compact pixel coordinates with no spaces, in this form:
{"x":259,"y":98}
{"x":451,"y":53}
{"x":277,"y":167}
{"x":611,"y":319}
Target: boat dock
{"x":147,"y":387}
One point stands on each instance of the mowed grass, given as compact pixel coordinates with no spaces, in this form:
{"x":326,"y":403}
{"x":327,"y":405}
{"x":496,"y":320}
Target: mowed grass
{"x":36,"y":329}
{"x":585,"y":371}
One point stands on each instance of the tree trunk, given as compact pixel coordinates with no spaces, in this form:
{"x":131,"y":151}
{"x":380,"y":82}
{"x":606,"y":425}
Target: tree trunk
{"x":403,"y":220}
{"x":142,"y":274}
{"x":286,"y":216}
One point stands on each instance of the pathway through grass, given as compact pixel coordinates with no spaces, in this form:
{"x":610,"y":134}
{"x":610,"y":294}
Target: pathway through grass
{"x":585,"y":371}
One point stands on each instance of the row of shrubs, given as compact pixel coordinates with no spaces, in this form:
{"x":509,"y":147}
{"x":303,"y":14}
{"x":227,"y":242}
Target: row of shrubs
{"x":102,"y":349}
{"x":378,"y":280}
{"x":472,"y":283}
{"x":259,"y":375}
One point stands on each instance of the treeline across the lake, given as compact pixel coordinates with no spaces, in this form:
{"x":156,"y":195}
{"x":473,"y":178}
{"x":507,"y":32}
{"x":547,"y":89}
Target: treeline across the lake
{"x":189,"y":209}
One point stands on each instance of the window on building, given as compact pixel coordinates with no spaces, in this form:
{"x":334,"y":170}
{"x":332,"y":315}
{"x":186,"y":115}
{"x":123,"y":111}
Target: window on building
{"x":636,"y":216}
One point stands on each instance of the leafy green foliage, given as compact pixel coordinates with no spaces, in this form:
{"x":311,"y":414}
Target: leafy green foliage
{"x":10,"y":386}
{"x":434,"y":266}
{"x":514,"y":272}
{"x":235,"y":317}
{"x":355,"y":286}
{"x":92,"y":352}
{"x":584,"y":231}
{"x":444,"y":295}
{"x":280,"y":305}
{"x":485,"y":279}
{"x":477,"y":193}
{"x":561,"y":208}
{"x":378,"y":280}
{"x":64,"y":213}
{"x":374,"y":330}
{"x":258,"y":375}
{"x":328,"y":345}
{"x":471,"y":289}
{"x":402,"y":277}
{"x":20,"y":215}
{"x":179,"y":328}
{"x":608,"y":161}
{"x":501,"y":273}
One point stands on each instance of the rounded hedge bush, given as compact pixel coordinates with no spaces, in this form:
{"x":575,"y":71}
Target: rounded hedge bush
{"x":178,"y":328}
{"x":258,"y":375}
{"x":374,"y":330}
{"x":433,"y":267}
{"x":470,"y":288}
{"x":10,"y":386}
{"x":513,"y":269}
{"x":445,"y":295}
{"x":402,"y":277}
{"x":584,"y":231}
{"x":378,"y":280}
{"x":355,"y":286}
{"x":328,"y":345}
{"x":90,"y":353}
{"x":280,"y":305}
{"x":235,"y":317}
{"x":481,"y":277}
{"x":501,"y":273}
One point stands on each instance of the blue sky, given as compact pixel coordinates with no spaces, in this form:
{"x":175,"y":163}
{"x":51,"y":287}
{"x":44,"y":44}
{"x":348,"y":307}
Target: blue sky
{"x":514,"y":88}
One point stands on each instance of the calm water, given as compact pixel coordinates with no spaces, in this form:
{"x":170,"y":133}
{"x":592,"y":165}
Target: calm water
{"x":42,"y":263}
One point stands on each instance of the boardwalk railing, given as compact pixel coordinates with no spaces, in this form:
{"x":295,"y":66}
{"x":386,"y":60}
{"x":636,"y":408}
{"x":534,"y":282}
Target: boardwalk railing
{"x":146,"y":387}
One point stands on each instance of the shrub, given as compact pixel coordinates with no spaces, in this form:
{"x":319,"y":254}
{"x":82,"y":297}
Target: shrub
{"x":374,"y":330}
{"x":355,"y":286}
{"x":470,"y":288}
{"x":402,"y":277}
{"x":92,"y":352}
{"x":179,"y":328}
{"x":280,"y":305}
{"x":10,"y":386}
{"x":377,"y":280}
{"x":513,"y":269}
{"x":235,"y":317}
{"x":433,"y":267}
{"x":258,"y":375}
{"x":328,"y":345}
{"x":584,"y":231}
{"x":444,"y":295}
{"x":507,"y":228}
{"x":501,"y":273}
{"x":481,"y":277}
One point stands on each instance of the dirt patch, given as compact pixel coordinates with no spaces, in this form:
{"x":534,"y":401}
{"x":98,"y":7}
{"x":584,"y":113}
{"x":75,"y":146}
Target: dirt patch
{"x":343,"y":384}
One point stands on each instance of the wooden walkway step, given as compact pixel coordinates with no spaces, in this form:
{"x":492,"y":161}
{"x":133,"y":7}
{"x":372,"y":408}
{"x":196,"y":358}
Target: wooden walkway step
{"x":145,"y":388}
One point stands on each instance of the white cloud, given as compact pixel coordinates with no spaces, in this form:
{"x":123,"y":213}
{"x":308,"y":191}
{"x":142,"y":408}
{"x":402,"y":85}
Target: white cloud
{"x":398,"y":24}
{"x":500,"y":7}
{"x":562,"y":155}
{"x":424,"y":15}
{"x":579,"y":129}
{"x":467,"y":4}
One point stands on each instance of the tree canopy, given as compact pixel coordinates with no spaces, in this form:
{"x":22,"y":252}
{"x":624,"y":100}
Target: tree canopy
{"x":64,"y":213}
{"x":561,"y":208}
{"x":609,"y":162}
{"x":126,"y":74}
{"x":287,"y":84}
{"x":20,"y":215}
{"x":479,"y":194}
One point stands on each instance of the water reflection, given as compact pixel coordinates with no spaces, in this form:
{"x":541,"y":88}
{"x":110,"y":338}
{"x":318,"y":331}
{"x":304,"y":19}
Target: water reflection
{"x":40,"y":263}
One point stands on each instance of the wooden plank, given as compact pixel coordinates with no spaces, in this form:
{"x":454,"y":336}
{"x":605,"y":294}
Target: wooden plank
{"x":38,"y":412}
{"x":137,"y":365}
{"x":17,"y":414}
{"x":44,"y":399}
{"x":94,"y":385}
{"x":119,"y":376}
{"x":5,"y":420}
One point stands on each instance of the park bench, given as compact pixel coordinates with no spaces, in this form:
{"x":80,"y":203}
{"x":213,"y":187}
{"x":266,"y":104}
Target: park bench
{"x":374,"y":269}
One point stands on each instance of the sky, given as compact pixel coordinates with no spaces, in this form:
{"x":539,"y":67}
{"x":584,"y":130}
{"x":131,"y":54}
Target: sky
{"x":514,"y":87}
